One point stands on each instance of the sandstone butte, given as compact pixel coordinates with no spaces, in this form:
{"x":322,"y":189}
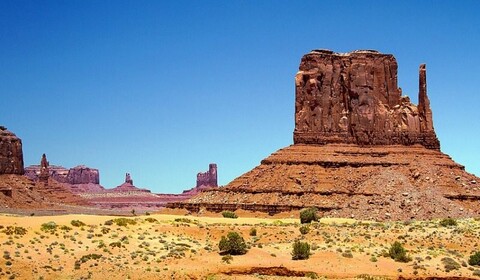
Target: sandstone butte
{"x":361,"y":150}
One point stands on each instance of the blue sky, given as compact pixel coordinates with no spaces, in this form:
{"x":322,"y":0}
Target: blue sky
{"x":162,"y":88}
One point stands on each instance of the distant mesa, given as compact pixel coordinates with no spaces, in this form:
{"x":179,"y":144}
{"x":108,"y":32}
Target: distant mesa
{"x":11,"y":153}
{"x":78,"y":179}
{"x":361,"y":150}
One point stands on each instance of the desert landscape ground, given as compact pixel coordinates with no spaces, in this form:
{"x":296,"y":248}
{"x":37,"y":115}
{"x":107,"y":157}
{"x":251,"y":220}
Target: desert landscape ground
{"x":180,"y":246}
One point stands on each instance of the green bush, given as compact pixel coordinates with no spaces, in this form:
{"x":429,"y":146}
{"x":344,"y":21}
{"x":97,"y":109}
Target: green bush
{"x":123,"y":222}
{"x":450,"y":264}
{"x":304,"y":229}
{"x":308,"y":215}
{"x":253,"y":232}
{"x":13,"y":230}
{"x":49,"y":227}
{"x":474,"y":259}
{"x":77,"y":223}
{"x":301,"y":250}
{"x":229,"y":214}
{"x":448,"y":222}
{"x":151,"y":220}
{"x":232,"y":244}
{"x":398,"y":253}
{"x":227,"y":259}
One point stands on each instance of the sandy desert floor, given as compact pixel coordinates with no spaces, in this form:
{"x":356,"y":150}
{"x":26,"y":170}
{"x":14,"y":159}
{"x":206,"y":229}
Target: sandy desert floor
{"x":166,"y":246}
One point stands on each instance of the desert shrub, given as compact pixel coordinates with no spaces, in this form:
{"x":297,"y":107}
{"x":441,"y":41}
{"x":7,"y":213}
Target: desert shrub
{"x":229,"y":214}
{"x":448,"y":222}
{"x":227,"y":259}
{"x":105,"y":230}
{"x":398,"y":253}
{"x":347,"y":254}
{"x":253,"y":232}
{"x":13,"y":230}
{"x":370,"y":277}
{"x":232,"y":244}
{"x":304,"y":229}
{"x":300,"y":251}
{"x":48,"y":227}
{"x":311,"y":275}
{"x":123,"y":222}
{"x":65,"y":228}
{"x":183,"y":220}
{"x":77,"y":223}
{"x":308,"y":215}
{"x":474,"y":259}
{"x":450,"y":264}
{"x":116,"y":244}
{"x":151,"y":220}
{"x":108,"y":222}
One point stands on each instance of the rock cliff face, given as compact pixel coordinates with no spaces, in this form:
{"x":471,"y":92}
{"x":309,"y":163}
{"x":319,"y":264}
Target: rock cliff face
{"x":77,"y":175}
{"x":354,"y":98}
{"x":83,"y":175}
{"x":11,"y":154}
{"x":361,"y":150}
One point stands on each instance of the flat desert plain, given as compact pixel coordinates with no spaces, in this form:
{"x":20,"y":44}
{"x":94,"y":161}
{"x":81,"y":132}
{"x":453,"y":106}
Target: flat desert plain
{"x":178,"y":246}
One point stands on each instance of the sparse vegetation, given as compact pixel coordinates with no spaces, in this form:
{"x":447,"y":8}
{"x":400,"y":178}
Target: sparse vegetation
{"x":448,"y":222}
{"x":450,"y":264}
{"x":300,"y":251}
{"x":304,"y":229}
{"x":308,"y":215}
{"x":77,"y":223}
{"x":232,"y":244}
{"x":14,"y":230}
{"x":49,"y":227}
{"x":398,"y":253}
{"x":229,"y":214}
{"x":474,"y":259}
{"x":123,"y":222}
{"x":253,"y":232}
{"x":227,"y":259}
{"x":151,"y":220}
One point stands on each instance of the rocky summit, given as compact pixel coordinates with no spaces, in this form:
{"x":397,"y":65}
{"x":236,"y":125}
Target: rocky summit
{"x":361,"y":150}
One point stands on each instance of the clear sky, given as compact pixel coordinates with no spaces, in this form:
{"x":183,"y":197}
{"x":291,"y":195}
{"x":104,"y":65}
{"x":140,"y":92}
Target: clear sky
{"x":161,"y":89}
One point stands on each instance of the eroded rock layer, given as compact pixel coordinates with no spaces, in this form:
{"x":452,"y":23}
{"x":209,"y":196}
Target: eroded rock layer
{"x":381,"y":182}
{"x":354,"y":98}
{"x":11,"y":154}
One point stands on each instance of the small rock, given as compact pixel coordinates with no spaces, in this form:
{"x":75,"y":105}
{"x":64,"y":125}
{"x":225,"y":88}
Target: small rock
{"x":473,"y":182}
{"x":405,"y":194}
{"x":388,"y":215}
{"x":457,"y":178}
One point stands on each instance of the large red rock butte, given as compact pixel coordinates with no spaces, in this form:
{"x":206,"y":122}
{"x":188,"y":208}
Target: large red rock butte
{"x":11,"y":153}
{"x":354,"y":98}
{"x":360,"y":150}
